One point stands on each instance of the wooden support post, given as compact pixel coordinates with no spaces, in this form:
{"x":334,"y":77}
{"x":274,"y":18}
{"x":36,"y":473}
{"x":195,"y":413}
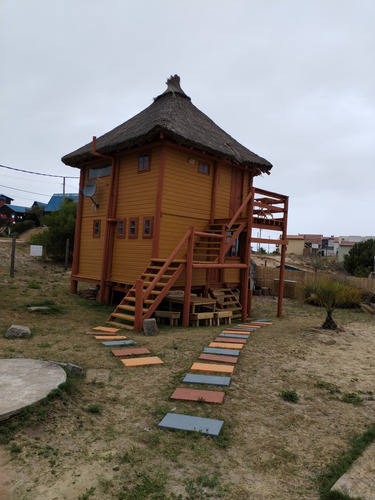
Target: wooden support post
{"x":282,"y":262}
{"x":138,"y":305}
{"x":13,"y":257}
{"x":188,"y":278}
{"x":66,"y":255}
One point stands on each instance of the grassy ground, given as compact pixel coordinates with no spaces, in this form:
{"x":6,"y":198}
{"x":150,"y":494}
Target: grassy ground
{"x":99,"y":439}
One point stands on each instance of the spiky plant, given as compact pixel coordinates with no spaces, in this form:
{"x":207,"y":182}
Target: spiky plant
{"x":331,"y":293}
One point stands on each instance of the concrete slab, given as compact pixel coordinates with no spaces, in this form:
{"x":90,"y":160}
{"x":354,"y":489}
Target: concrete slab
{"x":152,"y":360}
{"x":233,"y":336}
{"x":114,"y":343}
{"x":230,"y":340}
{"x":135,"y":351}
{"x":206,"y":367}
{"x":229,"y":352}
{"x":176,"y":421}
{"x":218,"y":359}
{"x":199,"y":395}
{"x":106,"y":329}
{"x":224,"y":345}
{"x":194,"y":378}
{"x":24,"y":382}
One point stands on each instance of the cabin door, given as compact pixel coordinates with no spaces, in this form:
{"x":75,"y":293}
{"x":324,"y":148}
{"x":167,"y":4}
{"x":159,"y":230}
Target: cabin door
{"x":236,"y":190}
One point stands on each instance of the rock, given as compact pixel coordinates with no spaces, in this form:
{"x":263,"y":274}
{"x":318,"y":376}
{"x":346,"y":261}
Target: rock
{"x":150,"y":327}
{"x":18,"y":332}
{"x":69,"y":366}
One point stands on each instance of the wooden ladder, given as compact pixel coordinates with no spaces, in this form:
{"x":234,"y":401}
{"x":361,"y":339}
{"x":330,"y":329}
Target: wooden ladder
{"x":124,"y":314}
{"x":226,"y":300}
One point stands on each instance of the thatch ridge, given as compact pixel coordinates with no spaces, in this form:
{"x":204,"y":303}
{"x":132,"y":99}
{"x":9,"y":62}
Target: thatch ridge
{"x":173,"y":115}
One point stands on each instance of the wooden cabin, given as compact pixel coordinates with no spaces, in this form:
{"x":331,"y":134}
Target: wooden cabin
{"x":167,"y":202}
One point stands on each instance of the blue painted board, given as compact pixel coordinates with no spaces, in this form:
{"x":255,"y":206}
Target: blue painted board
{"x":193,"y":378}
{"x":226,"y":352}
{"x":233,"y":336}
{"x":112,"y":343}
{"x":176,"y":421}
{"x":263,"y":320}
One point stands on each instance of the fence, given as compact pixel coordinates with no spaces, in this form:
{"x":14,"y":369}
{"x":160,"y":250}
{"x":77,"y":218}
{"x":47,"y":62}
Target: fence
{"x":268,"y":277}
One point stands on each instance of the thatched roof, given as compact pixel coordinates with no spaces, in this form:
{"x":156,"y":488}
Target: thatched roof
{"x":173,"y":115}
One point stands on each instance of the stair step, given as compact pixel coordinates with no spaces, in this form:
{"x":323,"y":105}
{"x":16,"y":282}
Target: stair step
{"x":122,"y":325}
{"x":151,"y":275}
{"x":128,"y":308}
{"x":126,"y":317}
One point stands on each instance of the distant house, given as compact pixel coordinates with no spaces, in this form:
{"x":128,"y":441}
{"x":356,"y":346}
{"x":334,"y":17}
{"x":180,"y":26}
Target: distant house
{"x":5,"y":200}
{"x":344,"y":249}
{"x":56,"y":201}
{"x":10,"y":214}
{"x":296,"y":244}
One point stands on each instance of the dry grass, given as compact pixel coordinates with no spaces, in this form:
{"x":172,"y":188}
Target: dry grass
{"x":269,"y":448}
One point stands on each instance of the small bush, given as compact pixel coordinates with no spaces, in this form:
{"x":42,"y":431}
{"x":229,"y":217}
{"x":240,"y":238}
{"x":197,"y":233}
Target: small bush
{"x":94,"y":408}
{"x":290,"y":396}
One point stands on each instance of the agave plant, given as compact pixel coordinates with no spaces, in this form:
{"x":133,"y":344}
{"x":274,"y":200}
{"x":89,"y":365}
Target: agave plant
{"x":331,"y":293}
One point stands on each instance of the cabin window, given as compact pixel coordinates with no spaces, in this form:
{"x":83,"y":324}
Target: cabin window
{"x":148,"y":223}
{"x":204,"y":168}
{"x":234,"y":250}
{"x":121,"y":228}
{"x":95,"y":173}
{"x":133,"y":227}
{"x":144,"y":162}
{"x":96,"y":229}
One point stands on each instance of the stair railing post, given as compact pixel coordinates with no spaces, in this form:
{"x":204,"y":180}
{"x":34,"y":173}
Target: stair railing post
{"x":138,"y":305}
{"x":223,"y":242}
{"x":188,"y":279}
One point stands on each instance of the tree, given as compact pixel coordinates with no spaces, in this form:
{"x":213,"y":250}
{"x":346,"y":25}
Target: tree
{"x":360,"y":259}
{"x":331,"y":294}
{"x":61,"y":226}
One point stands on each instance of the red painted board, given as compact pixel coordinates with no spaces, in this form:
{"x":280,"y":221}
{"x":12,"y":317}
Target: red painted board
{"x":219,"y":359}
{"x":230,"y":340}
{"x":131,"y":351}
{"x":199,"y":395}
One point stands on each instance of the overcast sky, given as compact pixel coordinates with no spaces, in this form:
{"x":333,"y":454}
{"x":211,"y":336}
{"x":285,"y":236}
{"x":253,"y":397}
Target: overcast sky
{"x":292,"y":80}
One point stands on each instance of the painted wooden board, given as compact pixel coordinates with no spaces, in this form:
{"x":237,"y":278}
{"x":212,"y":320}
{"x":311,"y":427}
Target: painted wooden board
{"x":152,"y":360}
{"x":106,"y":329}
{"x":233,"y":336}
{"x":194,"y":378}
{"x":218,"y":359}
{"x":224,"y":345}
{"x":233,"y":341}
{"x":199,"y":395}
{"x":248,"y":325}
{"x":226,"y":352}
{"x":110,"y":337}
{"x":130,"y":351}
{"x":101,"y":333}
{"x":177,"y":421}
{"x":264,"y":321}
{"x":240,"y":329}
{"x":206,"y":367}
{"x":114,"y":343}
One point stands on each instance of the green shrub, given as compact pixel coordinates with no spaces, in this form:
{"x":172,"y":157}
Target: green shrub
{"x":290,"y":396}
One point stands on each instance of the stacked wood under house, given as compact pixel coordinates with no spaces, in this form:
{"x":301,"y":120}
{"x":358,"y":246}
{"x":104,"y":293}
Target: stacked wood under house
{"x":167,"y":203}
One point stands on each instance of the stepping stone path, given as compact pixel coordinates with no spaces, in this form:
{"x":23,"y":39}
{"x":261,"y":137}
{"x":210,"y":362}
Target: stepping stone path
{"x":151,"y":360}
{"x":225,"y":349}
{"x":114,"y":343}
{"x":136,"y":351}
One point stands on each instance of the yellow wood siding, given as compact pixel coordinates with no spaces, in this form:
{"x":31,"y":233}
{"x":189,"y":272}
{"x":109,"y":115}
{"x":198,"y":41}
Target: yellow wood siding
{"x":91,"y":252}
{"x":223,"y":191}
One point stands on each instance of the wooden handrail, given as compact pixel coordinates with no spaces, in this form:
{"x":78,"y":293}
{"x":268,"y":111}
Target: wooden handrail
{"x":166,"y":264}
{"x":244,"y":203}
{"x":208,"y":235}
{"x":235,"y":235}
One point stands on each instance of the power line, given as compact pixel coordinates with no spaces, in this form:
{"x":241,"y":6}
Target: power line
{"x":23,"y":190}
{"x":38,"y":173}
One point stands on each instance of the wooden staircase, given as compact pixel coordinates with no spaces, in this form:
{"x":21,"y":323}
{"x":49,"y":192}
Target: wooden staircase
{"x":157,"y":281}
{"x":226,"y":300}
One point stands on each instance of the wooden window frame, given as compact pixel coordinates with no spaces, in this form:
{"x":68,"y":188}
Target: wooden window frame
{"x":151,"y":220}
{"x":123,"y":235}
{"x":96,"y":223}
{"x":142,"y":155}
{"x":205,"y":165}
{"x":136,"y":221}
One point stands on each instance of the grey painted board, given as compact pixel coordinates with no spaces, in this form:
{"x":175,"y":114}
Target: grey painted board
{"x":226,"y":352}
{"x":193,"y":378}
{"x":111,"y":343}
{"x":176,"y":421}
{"x":263,"y":320}
{"x":233,"y":336}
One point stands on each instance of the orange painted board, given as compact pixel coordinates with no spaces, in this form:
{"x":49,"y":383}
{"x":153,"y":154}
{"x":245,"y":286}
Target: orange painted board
{"x":101,"y":333}
{"x":241,"y":332}
{"x":110,"y":337}
{"x":131,"y":351}
{"x":106,"y":329}
{"x":231,"y":341}
{"x":205,"y":367}
{"x":218,"y":358}
{"x":226,"y":345}
{"x":152,"y":360}
{"x":261,"y":323}
{"x":199,"y":395}
{"x":250,"y":325}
